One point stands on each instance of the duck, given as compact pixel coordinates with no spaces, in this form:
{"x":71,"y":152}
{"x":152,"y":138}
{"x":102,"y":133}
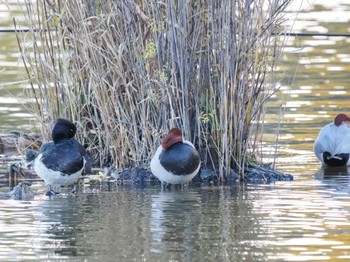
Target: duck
{"x":176,"y":160}
{"x":62,"y":161}
{"x":332,"y":146}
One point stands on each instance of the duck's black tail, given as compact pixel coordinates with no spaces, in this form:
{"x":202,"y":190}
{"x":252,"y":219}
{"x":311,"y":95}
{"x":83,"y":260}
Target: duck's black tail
{"x":336,"y":160}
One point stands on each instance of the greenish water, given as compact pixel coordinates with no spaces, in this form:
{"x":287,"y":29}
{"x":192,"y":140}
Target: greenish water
{"x":14,"y":101}
{"x":304,"y":220}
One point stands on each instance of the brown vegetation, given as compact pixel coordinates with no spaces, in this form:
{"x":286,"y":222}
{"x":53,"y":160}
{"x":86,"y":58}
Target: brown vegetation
{"x":127,"y":71}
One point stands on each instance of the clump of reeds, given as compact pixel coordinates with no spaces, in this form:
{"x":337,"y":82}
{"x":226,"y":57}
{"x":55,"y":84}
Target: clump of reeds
{"x":127,"y":71}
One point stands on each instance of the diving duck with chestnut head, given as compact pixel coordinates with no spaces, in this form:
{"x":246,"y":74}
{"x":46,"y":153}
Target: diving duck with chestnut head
{"x":332,"y":146}
{"x":176,"y":160}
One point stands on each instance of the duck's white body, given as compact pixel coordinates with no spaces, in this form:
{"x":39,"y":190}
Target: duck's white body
{"x":164,"y":175}
{"x":334,"y":139}
{"x":52,"y":177}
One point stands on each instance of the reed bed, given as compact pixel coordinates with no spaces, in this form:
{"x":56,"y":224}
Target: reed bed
{"x":129,"y":70}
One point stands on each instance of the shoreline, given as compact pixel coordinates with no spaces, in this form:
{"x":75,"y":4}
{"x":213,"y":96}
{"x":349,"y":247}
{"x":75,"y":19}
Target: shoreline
{"x":14,"y":169}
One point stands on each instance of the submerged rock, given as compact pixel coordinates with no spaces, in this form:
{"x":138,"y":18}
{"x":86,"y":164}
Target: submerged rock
{"x":20,"y":192}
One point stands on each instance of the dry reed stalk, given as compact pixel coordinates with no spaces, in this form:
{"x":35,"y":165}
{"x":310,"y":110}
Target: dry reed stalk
{"x":128,"y":71}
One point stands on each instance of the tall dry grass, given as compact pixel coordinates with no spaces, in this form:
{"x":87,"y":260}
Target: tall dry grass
{"x":129,"y":70}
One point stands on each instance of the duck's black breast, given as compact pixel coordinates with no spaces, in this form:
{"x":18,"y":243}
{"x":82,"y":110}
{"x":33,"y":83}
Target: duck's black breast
{"x":67,"y":156}
{"x":180,"y":159}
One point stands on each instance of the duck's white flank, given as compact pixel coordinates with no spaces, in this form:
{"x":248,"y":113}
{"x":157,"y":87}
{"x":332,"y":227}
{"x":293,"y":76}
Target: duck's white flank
{"x":52,"y":177}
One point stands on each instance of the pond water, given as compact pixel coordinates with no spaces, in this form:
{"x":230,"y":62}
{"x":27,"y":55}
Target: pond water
{"x":14,"y":102}
{"x":304,"y":220}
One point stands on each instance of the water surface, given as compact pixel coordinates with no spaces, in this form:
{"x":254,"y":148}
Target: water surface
{"x":15,"y":106}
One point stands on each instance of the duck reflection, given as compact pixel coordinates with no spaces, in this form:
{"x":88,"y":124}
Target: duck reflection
{"x":60,"y":223}
{"x":331,"y":173}
{"x":172,"y":216}
{"x":205,"y":225}
{"x":337,"y":178}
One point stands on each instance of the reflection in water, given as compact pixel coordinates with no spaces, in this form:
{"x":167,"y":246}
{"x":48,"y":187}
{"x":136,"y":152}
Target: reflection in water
{"x":285,"y":221}
{"x":330,"y":173}
{"x":14,"y":102}
{"x":60,"y":221}
{"x":205,"y":224}
{"x":336,"y":180}
{"x":41,"y":229}
{"x":310,"y":221}
{"x":212,"y":224}
{"x":165,"y":215}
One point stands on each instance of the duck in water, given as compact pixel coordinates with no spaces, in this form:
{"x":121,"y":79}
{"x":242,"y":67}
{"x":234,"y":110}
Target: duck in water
{"x":176,"y":160}
{"x":62,"y":161}
{"x":332,"y":146}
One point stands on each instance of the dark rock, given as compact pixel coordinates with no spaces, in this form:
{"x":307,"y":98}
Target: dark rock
{"x":264,"y":174}
{"x":253,"y":174}
{"x":136,"y":175}
{"x":207,"y":174}
{"x":233,"y":176}
{"x":22,"y":192}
